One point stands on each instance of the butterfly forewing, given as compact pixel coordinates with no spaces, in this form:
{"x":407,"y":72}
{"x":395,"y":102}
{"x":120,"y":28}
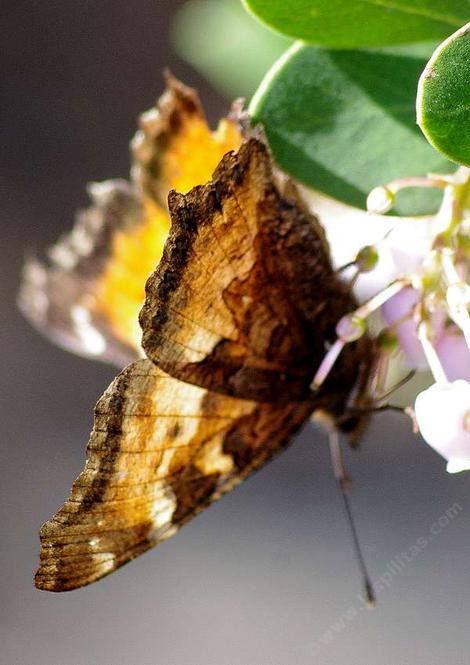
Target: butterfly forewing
{"x":245,"y":297}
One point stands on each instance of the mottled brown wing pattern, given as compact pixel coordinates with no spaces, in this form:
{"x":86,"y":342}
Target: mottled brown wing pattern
{"x":235,"y":321}
{"x":245,"y":299}
{"x":160,"y":451}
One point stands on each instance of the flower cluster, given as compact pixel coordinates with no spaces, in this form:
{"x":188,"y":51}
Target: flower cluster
{"x":424,"y":308}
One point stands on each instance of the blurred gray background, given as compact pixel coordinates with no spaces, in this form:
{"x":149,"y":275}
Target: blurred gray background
{"x":265,"y":577}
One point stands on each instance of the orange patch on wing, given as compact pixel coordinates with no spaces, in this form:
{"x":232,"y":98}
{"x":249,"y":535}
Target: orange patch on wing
{"x":190,"y":157}
{"x":121,"y":288}
{"x":194,"y":152}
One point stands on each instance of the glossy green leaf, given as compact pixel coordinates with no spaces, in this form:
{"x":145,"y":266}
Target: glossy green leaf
{"x":234,"y":51}
{"x":422,"y":50}
{"x":443,"y":102}
{"x":343,"y":122}
{"x":361,"y":23}
{"x":226,"y":44}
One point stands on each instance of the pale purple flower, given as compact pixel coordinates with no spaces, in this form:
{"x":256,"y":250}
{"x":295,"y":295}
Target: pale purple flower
{"x":401,"y":307}
{"x":453,"y":353}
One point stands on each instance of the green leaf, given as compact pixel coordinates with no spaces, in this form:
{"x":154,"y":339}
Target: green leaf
{"x":343,"y":122}
{"x":233,"y":50}
{"x":422,"y":50}
{"x":226,"y":45}
{"x":361,"y":23}
{"x":443,"y":102}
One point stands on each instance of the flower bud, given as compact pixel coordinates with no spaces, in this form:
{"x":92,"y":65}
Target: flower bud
{"x":380,"y":200}
{"x":366,"y":258}
{"x":443,"y":416}
{"x":350,"y":327}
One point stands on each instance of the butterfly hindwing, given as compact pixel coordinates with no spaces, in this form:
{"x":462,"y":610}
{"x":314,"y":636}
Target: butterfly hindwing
{"x":160,"y":451}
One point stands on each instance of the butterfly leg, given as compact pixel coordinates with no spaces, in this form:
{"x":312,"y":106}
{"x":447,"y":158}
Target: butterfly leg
{"x":344,"y":485}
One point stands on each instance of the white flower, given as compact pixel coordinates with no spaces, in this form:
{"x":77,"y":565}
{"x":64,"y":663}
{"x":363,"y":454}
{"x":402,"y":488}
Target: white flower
{"x":443,"y":416}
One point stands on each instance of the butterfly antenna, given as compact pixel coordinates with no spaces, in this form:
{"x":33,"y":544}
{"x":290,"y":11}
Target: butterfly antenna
{"x":343,"y":484}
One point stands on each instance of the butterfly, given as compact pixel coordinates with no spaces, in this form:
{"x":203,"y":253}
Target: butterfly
{"x":238,"y":311}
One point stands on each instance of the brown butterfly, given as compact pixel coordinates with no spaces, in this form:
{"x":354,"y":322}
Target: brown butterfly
{"x":237,"y":317}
